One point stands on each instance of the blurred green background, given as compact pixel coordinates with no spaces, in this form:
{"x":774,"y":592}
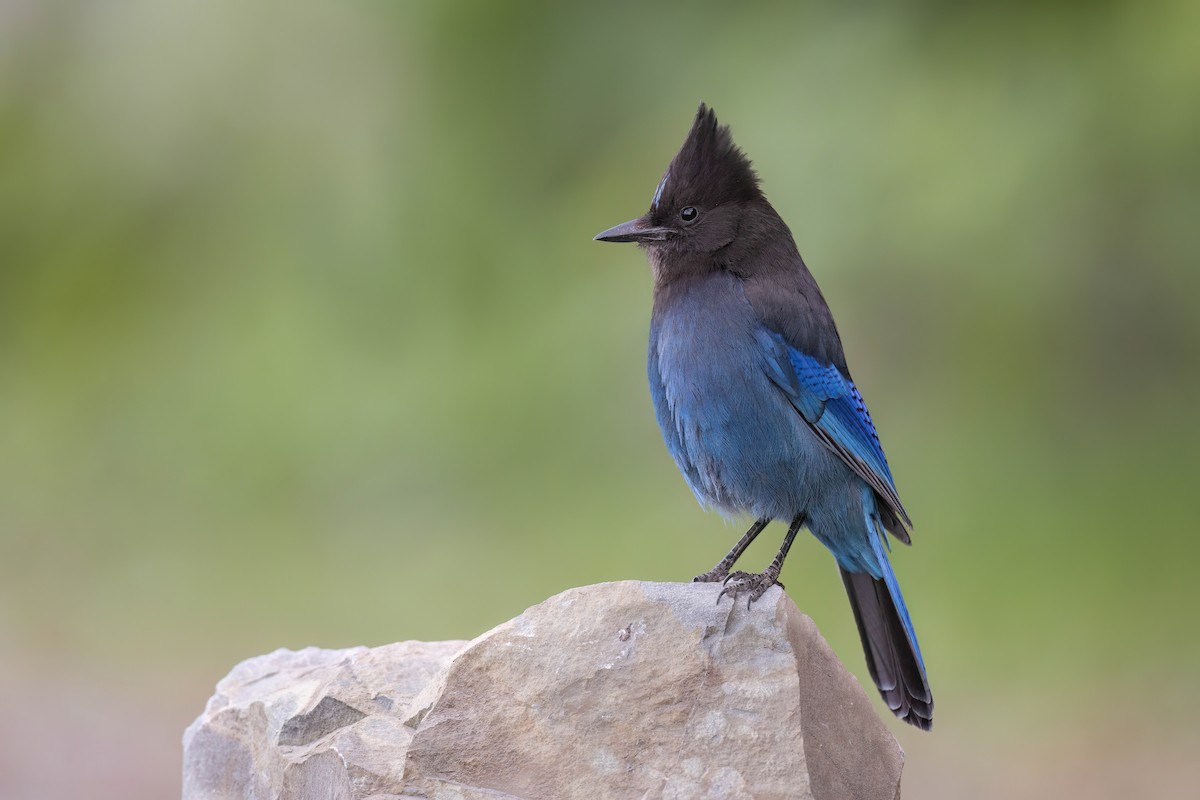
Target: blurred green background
{"x":304,"y":341}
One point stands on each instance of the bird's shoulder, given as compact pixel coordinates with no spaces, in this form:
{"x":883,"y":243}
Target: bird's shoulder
{"x":787,"y":301}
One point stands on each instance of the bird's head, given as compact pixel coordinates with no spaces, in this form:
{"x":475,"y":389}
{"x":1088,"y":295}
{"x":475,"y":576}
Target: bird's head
{"x":699,"y":203}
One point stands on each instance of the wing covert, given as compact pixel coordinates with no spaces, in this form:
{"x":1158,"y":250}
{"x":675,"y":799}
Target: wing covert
{"x":834,"y":408}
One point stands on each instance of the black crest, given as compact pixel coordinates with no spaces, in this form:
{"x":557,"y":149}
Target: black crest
{"x":708,"y":170}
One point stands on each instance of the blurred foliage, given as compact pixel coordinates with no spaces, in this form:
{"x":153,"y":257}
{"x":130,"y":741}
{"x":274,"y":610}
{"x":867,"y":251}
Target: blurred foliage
{"x":303,"y":339}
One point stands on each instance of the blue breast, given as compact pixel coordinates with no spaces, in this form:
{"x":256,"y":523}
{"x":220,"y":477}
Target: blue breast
{"x":739,"y":443}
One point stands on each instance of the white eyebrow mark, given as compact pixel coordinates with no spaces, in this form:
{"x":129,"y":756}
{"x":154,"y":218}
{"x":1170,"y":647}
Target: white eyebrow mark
{"x":658,"y":192}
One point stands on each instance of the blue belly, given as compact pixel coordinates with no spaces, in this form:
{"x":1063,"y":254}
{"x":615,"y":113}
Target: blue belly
{"x":738,"y":441}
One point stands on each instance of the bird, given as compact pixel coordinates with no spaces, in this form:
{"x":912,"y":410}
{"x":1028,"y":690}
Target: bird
{"x":755,"y":401}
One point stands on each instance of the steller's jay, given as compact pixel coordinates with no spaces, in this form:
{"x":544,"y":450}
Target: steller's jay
{"x":754,"y":399}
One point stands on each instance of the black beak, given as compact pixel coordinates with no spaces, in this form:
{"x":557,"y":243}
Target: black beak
{"x":636,"y":230}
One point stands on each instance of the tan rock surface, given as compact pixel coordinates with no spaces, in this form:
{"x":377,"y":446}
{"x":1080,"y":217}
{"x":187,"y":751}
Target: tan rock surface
{"x":620,"y":690}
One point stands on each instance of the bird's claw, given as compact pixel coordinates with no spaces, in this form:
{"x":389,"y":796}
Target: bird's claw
{"x":755,"y":584}
{"x":714,"y":575}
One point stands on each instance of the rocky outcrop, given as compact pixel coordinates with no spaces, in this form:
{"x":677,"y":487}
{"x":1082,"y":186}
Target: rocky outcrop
{"x":620,"y":690}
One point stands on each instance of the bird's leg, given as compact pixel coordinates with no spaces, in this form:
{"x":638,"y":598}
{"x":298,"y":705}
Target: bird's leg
{"x":757,"y":584}
{"x":721,"y":571}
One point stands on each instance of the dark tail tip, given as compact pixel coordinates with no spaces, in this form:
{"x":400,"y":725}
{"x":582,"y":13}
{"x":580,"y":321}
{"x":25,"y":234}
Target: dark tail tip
{"x":891,"y":652}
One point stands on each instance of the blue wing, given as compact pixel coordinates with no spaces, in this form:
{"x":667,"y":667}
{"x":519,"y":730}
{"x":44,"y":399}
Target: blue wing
{"x":833,"y":407}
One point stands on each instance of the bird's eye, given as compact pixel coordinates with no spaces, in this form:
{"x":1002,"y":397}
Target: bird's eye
{"x":688,"y":214}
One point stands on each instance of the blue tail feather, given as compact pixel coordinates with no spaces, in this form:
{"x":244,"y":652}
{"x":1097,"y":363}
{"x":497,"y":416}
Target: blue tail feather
{"x":893,"y":586}
{"x":889,"y":641}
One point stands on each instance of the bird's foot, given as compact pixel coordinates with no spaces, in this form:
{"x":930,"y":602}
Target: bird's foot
{"x":755,"y":584}
{"x":715,"y":575}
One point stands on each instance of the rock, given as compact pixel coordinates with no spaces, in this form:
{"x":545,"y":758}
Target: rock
{"x":620,"y":690}
{"x":312,"y":723}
